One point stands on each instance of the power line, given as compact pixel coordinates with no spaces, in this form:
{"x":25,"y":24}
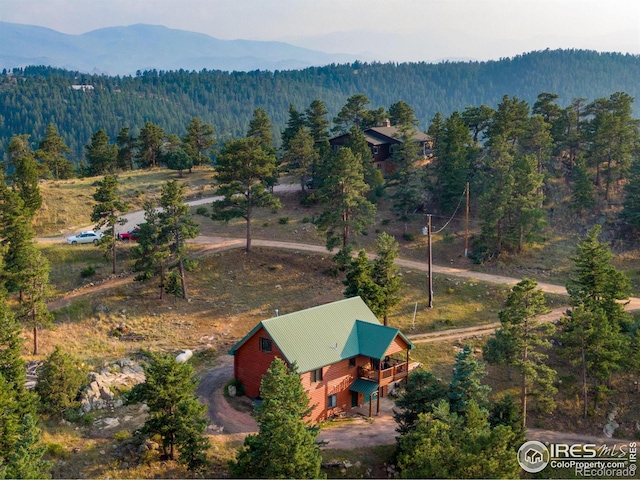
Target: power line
{"x":454,"y":212}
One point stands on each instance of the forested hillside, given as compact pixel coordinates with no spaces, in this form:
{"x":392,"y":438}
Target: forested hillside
{"x":35,"y":97}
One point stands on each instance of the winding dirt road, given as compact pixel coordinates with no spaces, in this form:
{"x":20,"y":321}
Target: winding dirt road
{"x":381,"y":430}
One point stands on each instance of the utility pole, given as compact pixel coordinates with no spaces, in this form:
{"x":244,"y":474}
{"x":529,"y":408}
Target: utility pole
{"x":429,"y":255}
{"x":427,"y":231}
{"x":466,"y":232}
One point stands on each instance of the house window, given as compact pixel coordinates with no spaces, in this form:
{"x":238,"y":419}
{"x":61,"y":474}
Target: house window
{"x":265,"y":345}
{"x":332,"y":401}
{"x":316,"y":375}
{"x":352,"y":362}
{"x":375,"y":150}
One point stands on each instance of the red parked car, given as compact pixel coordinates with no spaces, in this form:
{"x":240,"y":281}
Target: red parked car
{"x":130,"y":235}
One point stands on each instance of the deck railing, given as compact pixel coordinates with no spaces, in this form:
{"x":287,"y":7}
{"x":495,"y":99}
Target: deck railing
{"x":391,"y":373}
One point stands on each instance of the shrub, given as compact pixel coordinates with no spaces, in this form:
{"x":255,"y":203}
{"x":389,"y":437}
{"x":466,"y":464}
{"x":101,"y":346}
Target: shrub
{"x":409,"y":237}
{"x":59,"y":382}
{"x":190,"y":264}
{"x":122,"y":435}
{"x":87,"y":271}
{"x":202,"y":211}
{"x":56,"y":450}
{"x":234,"y":383}
{"x":386,"y":221}
{"x":306,"y":220}
{"x":283,"y":220}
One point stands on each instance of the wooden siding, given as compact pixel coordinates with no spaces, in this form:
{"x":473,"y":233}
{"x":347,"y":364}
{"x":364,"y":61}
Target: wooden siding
{"x":250,"y":363}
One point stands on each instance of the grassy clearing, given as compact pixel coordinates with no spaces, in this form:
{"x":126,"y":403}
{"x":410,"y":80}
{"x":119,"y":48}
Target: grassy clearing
{"x":67,"y":204}
{"x":230,"y":292}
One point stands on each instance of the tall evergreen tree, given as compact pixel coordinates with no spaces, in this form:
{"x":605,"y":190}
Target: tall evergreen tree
{"x":526,"y":337}
{"x":592,"y":329}
{"x":107,"y":213}
{"x":151,"y":252}
{"x":26,"y":173}
{"x":466,"y":386}
{"x":444,"y":444}
{"x":385,"y":274}
{"x":583,"y":197}
{"x":346,"y":211}
{"x":355,"y":113}
{"x":613,"y":136}
{"x":127,"y":145}
{"x":296,"y":122}
{"x":177,"y":225}
{"x":198,"y":142}
{"x":477,"y":119}
{"x":285,"y":445}
{"x":455,"y":153}
{"x":630,"y":214}
{"x":101,"y":155}
{"x":52,"y":152}
{"x":360,"y":148}
{"x":150,"y":140}
{"x":401,"y":114}
{"x":243,"y":170}
{"x":35,"y":290}
{"x":421,"y":394}
{"x":300,"y":155}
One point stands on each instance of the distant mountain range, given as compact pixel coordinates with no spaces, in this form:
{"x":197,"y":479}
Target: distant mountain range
{"x":125,"y":50}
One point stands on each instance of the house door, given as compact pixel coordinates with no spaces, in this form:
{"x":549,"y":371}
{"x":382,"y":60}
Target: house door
{"x":354,"y":399}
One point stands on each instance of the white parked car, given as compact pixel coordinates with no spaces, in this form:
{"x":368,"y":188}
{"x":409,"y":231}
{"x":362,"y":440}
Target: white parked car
{"x":85,"y":237}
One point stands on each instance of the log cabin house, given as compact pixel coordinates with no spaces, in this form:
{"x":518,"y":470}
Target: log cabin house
{"x":381,"y":141}
{"x":345,"y":357}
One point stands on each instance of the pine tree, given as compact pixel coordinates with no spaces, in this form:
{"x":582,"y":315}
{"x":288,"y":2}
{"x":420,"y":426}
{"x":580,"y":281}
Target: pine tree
{"x":35,"y":290}
{"x":285,"y":444}
{"x":127,"y":145}
{"x":175,"y":414}
{"x":525,"y":337}
{"x":177,"y":225}
{"x":630,"y":214}
{"x":20,"y":454}
{"x":583,"y":198}
{"x":243,"y":170}
{"x":198,"y":142}
{"x":106,"y":213}
{"x":359,"y":282}
{"x":385,"y":274}
{"x":592,"y":329}
{"x":102,"y":156}
{"x":59,"y":382}
{"x":421,"y":394}
{"x":466,"y":385}
{"x":26,"y":174}
{"x":151,"y":252}
{"x":150,"y":142}
{"x":52,"y":152}
{"x":300,"y":155}
{"x":346,"y":211}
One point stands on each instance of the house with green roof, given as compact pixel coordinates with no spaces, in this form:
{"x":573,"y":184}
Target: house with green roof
{"x":345,"y":356}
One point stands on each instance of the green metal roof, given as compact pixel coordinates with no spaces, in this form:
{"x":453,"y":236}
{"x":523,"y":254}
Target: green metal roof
{"x":327,"y":334}
{"x":366,"y":387}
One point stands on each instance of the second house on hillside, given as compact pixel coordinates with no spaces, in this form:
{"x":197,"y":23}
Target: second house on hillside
{"x":381,"y":141}
{"x":345,"y":357}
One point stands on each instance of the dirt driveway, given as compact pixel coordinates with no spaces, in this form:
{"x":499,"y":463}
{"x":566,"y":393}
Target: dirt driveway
{"x":343,"y":434}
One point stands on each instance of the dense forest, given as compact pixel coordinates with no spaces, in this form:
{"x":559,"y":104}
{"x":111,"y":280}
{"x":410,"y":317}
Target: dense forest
{"x":34,"y":97}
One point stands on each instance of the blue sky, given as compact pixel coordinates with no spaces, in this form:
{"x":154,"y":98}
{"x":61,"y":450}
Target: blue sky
{"x":400,"y":30}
